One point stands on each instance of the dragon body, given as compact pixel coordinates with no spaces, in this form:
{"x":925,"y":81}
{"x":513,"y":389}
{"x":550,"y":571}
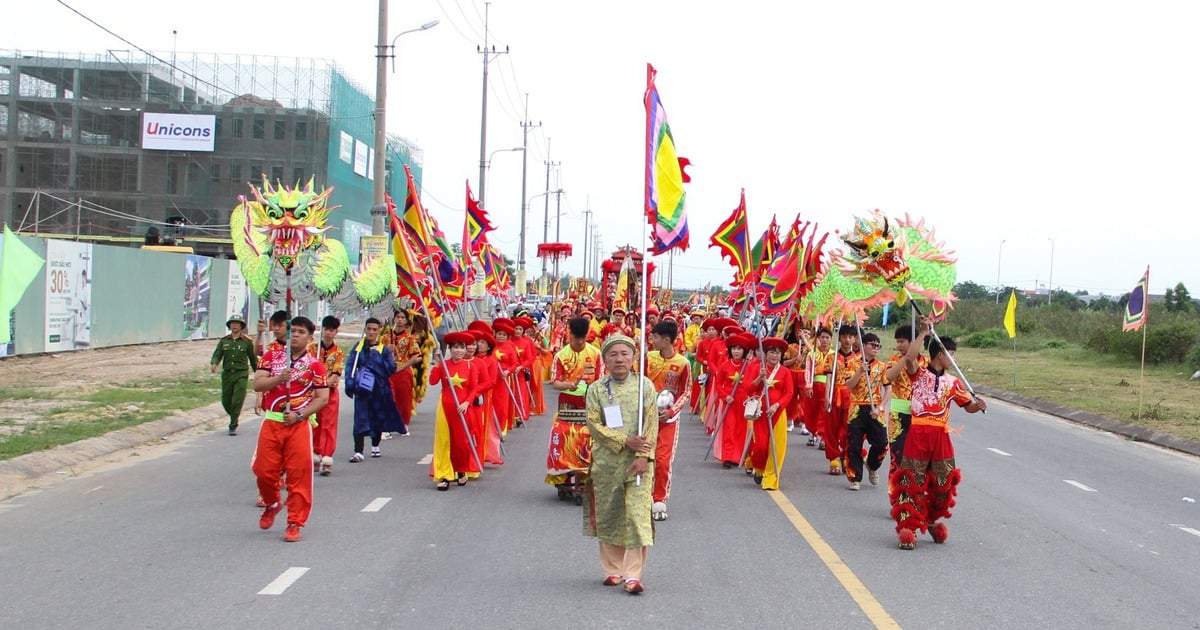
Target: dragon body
{"x":883,"y":261}
{"x":279,"y":237}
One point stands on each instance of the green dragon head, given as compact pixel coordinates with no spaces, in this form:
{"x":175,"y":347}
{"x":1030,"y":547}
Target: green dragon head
{"x":292,"y":219}
{"x":874,"y":252}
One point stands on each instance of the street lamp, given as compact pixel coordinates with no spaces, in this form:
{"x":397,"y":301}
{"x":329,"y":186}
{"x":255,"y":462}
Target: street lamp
{"x":1050,"y":293}
{"x":488,"y":166}
{"x":1001,"y":253}
{"x":383,"y":50}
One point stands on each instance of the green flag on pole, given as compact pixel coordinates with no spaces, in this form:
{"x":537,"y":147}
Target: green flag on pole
{"x":19,"y":265}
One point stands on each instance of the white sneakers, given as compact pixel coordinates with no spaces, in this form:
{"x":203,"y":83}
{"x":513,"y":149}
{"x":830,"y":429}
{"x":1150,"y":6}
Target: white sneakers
{"x":358,"y":457}
{"x":854,"y":485}
{"x":874,"y":477}
{"x":375,"y":452}
{"x":658,"y":511}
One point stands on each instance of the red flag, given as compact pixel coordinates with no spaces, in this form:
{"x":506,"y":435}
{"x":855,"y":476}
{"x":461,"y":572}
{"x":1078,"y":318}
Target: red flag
{"x":731,"y":238}
{"x":475,"y":226}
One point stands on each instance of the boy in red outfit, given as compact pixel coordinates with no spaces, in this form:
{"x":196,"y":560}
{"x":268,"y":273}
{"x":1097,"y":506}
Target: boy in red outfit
{"x":924,"y":488}
{"x":294,"y":389}
{"x":671,"y":372}
{"x":325,"y":433}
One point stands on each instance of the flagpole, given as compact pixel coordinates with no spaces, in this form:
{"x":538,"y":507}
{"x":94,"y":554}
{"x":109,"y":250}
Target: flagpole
{"x":1142,"y":378}
{"x":1015,"y":362}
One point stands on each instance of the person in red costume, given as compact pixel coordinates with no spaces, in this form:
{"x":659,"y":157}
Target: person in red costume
{"x":406,"y":347}
{"x":769,"y":447}
{"x":837,"y":422}
{"x":925,"y":486}
{"x":507,"y":399}
{"x":452,"y":457}
{"x":670,"y":371}
{"x":294,"y":389}
{"x":817,"y":364}
{"x":527,"y":353}
{"x":732,"y":399}
{"x":325,"y":433}
{"x":488,"y":371}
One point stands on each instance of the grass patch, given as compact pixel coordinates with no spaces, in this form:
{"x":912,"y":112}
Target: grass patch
{"x":24,"y":394}
{"x":1083,"y":379}
{"x":82,"y":417}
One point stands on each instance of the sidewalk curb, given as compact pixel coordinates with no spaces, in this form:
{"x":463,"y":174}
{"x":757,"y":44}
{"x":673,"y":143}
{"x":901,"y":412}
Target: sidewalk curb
{"x":1104,"y":423}
{"x":19,"y":474}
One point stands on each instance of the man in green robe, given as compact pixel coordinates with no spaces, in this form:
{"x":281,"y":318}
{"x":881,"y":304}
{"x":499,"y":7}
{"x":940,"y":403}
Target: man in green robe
{"x":618,"y":491}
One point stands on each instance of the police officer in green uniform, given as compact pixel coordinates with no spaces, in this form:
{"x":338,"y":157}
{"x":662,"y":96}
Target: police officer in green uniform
{"x":236,"y":352}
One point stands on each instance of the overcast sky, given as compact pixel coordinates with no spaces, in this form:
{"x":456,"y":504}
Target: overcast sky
{"x":1058,"y":127}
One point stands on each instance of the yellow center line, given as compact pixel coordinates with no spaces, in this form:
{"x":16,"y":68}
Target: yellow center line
{"x":854,"y":586}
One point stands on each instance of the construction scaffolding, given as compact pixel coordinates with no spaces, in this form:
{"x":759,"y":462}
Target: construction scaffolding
{"x":70,"y":137}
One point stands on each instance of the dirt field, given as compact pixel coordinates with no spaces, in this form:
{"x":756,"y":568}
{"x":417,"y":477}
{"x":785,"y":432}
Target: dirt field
{"x":33,"y":384}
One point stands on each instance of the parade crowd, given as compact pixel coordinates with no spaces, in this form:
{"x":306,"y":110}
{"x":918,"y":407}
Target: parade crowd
{"x":749,"y":391}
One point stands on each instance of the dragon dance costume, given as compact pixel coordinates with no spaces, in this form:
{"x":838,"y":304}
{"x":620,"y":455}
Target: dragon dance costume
{"x":569,"y":455}
{"x":925,"y":485}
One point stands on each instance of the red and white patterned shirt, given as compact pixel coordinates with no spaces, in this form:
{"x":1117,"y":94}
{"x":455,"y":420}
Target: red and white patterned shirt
{"x":308,"y":375}
{"x":932,"y":395}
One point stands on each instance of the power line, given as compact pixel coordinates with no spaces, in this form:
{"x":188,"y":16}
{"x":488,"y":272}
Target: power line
{"x":449,"y":19}
{"x":458,"y":4}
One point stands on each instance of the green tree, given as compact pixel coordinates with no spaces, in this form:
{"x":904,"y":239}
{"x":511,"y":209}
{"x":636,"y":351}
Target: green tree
{"x":1067,"y":300}
{"x":1179,"y":300}
{"x":968,"y":290}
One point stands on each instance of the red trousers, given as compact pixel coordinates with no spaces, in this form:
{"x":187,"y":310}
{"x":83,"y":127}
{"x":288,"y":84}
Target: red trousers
{"x":814,"y":409}
{"x":836,"y":424}
{"x":664,"y":457}
{"x":325,"y":434}
{"x":925,"y":486}
{"x":286,"y":451}
{"x":402,"y":384}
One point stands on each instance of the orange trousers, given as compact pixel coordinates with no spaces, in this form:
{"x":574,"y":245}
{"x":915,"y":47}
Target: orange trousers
{"x":286,"y":451}
{"x":664,"y":457}
{"x":325,"y":433}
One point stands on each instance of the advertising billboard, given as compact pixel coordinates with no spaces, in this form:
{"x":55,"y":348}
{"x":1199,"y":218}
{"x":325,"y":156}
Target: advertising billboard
{"x":179,"y":132}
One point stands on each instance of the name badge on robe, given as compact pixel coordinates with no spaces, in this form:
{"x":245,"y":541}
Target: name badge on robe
{"x":612,"y":417}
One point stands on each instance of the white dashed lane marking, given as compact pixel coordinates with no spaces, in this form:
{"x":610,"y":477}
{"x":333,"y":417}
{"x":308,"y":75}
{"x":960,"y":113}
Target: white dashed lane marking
{"x":377,"y":504}
{"x":1194,"y":532}
{"x":285,"y":579}
{"x":1000,"y":452}
{"x":425,"y":461}
{"x":1081,"y":486}
{"x":93,"y":489}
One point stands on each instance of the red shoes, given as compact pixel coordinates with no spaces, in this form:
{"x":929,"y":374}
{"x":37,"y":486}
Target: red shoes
{"x":633,"y":587}
{"x":268,"y":515}
{"x":293,"y":533}
{"x":612,"y":580}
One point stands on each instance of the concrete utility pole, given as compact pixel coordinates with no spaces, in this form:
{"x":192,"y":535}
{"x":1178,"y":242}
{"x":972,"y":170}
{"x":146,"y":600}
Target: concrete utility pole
{"x":525,"y":127}
{"x":487,"y":58}
{"x":546,"y":212}
{"x":558,"y":215}
{"x":378,"y":203}
{"x":587,"y":225}
{"x":383,"y":50}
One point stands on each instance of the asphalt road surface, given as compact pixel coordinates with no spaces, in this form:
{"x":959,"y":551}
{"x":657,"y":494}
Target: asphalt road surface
{"x":1056,"y":526}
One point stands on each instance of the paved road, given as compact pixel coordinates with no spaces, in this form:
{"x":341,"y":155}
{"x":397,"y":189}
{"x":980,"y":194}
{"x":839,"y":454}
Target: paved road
{"x":1057,"y":527}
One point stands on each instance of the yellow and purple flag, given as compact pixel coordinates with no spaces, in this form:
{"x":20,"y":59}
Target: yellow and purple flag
{"x":665,"y":176}
{"x":1137,"y":308}
{"x":410,"y":274}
